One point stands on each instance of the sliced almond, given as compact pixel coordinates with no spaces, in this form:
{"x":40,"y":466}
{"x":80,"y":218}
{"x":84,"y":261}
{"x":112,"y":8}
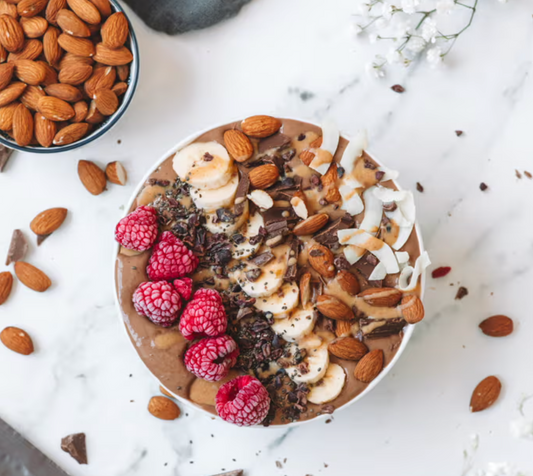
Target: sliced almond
{"x":116,"y":173}
{"x":305,"y":289}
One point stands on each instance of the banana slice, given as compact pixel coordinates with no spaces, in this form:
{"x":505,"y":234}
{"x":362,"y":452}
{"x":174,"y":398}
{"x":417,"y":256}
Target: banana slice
{"x":271,"y":277}
{"x":222,"y":197}
{"x":330,"y":387}
{"x":315,"y":363}
{"x":281,"y":303}
{"x":204,"y":165}
{"x":215,"y":226}
{"x":249,"y":229}
{"x":298,"y":325}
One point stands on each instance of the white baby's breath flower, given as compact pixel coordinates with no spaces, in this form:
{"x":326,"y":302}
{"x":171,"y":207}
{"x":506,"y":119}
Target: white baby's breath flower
{"x":429,"y":30}
{"x":434,"y":56}
{"x":415,"y":44}
{"x":374,"y":71}
{"x":372,"y":38}
{"x":394,"y":56}
{"x":445,"y":7}
{"x":386,"y":10}
{"x":501,"y":469}
{"x":363,"y":9}
{"x":356,"y":29}
{"x":402,"y":27}
{"x":522,"y":428}
{"x":410,"y":6}
{"x":381,"y":24}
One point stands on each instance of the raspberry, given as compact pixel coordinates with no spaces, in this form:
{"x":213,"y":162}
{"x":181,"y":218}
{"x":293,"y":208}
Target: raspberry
{"x":184,"y":287}
{"x":203,"y":317}
{"x":158,"y":301}
{"x":243,"y":401}
{"x":170,"y":259}
{"x":212,"y":358}
{"x":138,"y":230}
{"x":206,"y":293}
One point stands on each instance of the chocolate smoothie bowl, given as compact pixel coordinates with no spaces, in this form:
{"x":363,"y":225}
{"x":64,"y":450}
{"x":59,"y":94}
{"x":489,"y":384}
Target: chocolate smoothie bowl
{"x":270,"y":271}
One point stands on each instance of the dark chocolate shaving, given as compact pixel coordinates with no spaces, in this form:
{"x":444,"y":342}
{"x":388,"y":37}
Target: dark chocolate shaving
{"x":277,"y":141}
{"x":387,"y":327}
{"x":276,"y":228}
{"x":18,"y":247}
{"x":241,"y":193}
{"x":41,"y":238}
{"x":262,"y":259}
{"x":292,"y":269}
{"x":461,"y":293}
{"x":5,"y":153}
{"x":328,"y":236}
{"x":75,"y":446}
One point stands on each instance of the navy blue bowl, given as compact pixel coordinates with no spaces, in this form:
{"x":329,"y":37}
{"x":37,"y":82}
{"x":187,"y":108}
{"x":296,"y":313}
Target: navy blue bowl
{"x":102,"y":128}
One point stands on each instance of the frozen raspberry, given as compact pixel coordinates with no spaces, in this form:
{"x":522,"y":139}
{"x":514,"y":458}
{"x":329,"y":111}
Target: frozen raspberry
{"x":138,"y":230}
{"x":206,"y":293}
{"x":243,"y":401}
{"x":170,"y":259}
{"x":158,"y":301}
{"x":212,"y":358}
{"x":203,"y":317}
{"x":184,"y":287}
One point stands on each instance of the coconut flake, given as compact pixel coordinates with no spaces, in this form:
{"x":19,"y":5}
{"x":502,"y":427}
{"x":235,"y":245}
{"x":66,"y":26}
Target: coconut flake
{"x":389,"y":173}
{"x":262,"y":199}
{"x":409,"y":275}
{"x":379,"y":272}
{"x":351,"y":201}
{"x":299,"y":207}
{"x":387,"y":195}
{"x":373,"y":212}
{"x":330,"y":142}
{"x":353,"y":151}
{"x":402,"y":257}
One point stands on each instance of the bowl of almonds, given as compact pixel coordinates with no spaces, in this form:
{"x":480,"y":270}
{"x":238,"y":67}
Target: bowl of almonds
{"x":68,"y":71}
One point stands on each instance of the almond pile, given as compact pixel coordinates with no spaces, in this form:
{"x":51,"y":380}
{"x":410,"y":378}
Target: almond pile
{"x":63,"y":68}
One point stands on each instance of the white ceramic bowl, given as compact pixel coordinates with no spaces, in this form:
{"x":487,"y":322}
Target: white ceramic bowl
{"x":407,"y":333}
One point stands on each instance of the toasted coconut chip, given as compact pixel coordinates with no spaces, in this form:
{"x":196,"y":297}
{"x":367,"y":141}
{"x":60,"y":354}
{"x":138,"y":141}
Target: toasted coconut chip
{"x":387,"y":195}
{"x":389,"y":173}
{"x":403,"y":258}
{"x":353,"y":151}
{"x":373,"y":212}
{"x":262,"y":199}
{"x":353,"y":253}
{"x":409,"y":276}
{"x":330,"y":142}
{"x":351,"y":201}
{"x":299,"y":207}
{"x":379,"y":272}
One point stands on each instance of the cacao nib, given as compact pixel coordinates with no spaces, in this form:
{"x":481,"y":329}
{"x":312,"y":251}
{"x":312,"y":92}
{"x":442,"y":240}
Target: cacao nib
{"x":263,"y":258}
{"x":461,"y":293}
{"x":225,"y":215}
{"x":340,"y":172}
{"x":208,"y":157}
{"x":161,"y":183}
{"x":369,"y":165}
{"x":419,"y":187}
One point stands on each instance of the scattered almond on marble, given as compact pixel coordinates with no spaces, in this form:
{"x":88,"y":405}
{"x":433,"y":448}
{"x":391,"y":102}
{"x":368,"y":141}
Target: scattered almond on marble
{"x":497,"y":326}
{"x":32,"y":277}
{"x":116,"y":173}
{"x":163,"y":408}
{"x":485,"y":394}
{"x":370,"y":366}
{"x":6,"y":283}
{"x":17,"y":340}
{"x":45,"y":223}
{"x":92,"y":177}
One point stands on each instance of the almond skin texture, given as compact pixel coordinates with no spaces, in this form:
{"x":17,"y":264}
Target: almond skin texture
{"x":110,"y":57}
{"x":334,"y":308}
{"x":106,"y":101}
{"x":94,"y":116}
{"x":11,"y":93}
{"x":30,"y":8}
{"x":11,"y":33}
{"x":116,"y":173}
{"x":123,"y":72}
{"x":343,"y":328}
{"x":321,"y":259}
{"x":115,"y":31}
{"x":30,"y":51}
{"x":22,"y":125}
{"x":348,"y":282}
{"x":497,"y":326}
{"x":85,"y":10}
{"x":381,"y":297}
{"x":52,"y":50}
{"x":51,"y":74}
{"x":76,"y":46}
{"x":53,"y":8}
{"x":48,"y":221}
{"x":34,"y":27}
{"x":81,"y":109}
{"x":8,"y":9}
{"x":305,"y":289}
{"x":104,"y":7}
{"x":6,"y":283}
{"x":6,"y":116}
{"x":71,"y":23}
{"x":306,"y":156}
{"x":92,"y":177}
{"x":348,"y":348}
{"x":75,"y":74}
{"x":412,"y":309}
{"x":370,"y":366}
{"x":3,"y":53}
{"x":120,"y":88}
{"x":70,"y":59}
{"x":264,"y":176}
{"x":29,"y":72}
{"x":17,"y":340}
{"x":55,"y":109}
{"x":32,"y":277}
{"x":66,"y":92}
{"x":6,"y":73}
{"x":311,"y":225}
{"x":45,"y":130}
{"x":260,"y":126}
{"x":31,"y":97}
{"x":485,"y":394}
{"x":101,"y":78}
{"x":329,"y":182}
{"x":71,"y":133}
{"x":163,"y":408}
{"x":238,"y":145}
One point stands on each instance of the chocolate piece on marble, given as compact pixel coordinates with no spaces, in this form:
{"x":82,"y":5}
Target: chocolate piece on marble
{"x":5,"y":153}
{"x":461,"y":293}
{"x":18,"y":247}
{"x":75,"y":446}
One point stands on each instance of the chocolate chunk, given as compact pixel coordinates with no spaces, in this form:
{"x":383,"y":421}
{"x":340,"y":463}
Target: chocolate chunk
{"x":419,"y":187}
{"x":288,"y":154}
{"x":459,"y":133}
{"x":252,"y":275}
{"x":328,"y":236}
{"x":279,"y":214}
{"x":5,"y":153}
{"x":483,"y":186}
{"x":241,"y":193}
{"x":341,"y":263}
{"x":226,"y":216}
{"x":461,"y":293}
{"x":386,"y":327}
{"x":292,"y":269}
{"x":74,"y":445}
{"x":18,"y":247}
{"x":371,"y":259}
{"x":301,"y":137}
{"x":277,"y":228}
{"x":262,"y":259}
{"x":277,"y":141}
{"x":397,"y":88}
{"x":41,"y":238}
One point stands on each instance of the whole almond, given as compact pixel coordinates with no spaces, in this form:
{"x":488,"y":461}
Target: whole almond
{"x":76,"y":46}
{"x":30,"y":51}
{"x":71,"y":133}
{"x":32,"y":277}
{"x":94,"y":116}
{"x":334,"y":308}
{"x":48,"y":221}
{"x":120,"y":88}
{"x":6,"y":116}
{"x":53,"y":8}
{"x":45,"y":130}
{"x":348,"y":282}
{"x":238,"y":145}
{"x":348,"y":348}
{"x":311,"y":225}
{"x":22,"y":125}
{"x":8,"y":9}
{"x":116,"y":173}
{"x":106,"y":101}
{"x":30,"y":8}
{"x":101,"y":78}
{"x":55,"y":109}
{"x":260,"y":126}
{"x":412,"y":309}
{"x":3,"y":53}
{"x":104,"y":7}
{"x":115,"y":31}
{"x":71,"y":23}
{"x":321,"y":259}
{"x":75,"y":74}
{"x":123,"y":72}
{"x":34,"y":27}
{"x":497,"y":326}
{"x":31,"y":97}
{"x":85,"y":10}
{"x":6,"y":283}
{"x":81,"y":109}
{"x":51,"y":74}
{"x":117,"y":57}
{"x":52,"y":50}
{"x":264,"y":176}
{"x":29,"y":72}
{"x":17,"y":340}
{"x":11,"y":33}
{"x":343,"y":328}
{"x":163,"y":408}
{"x":6,"y":74}
{"x":66,"y":92}
{"x":92,"y":177}
{"x":381,"y":297}
{"x":305,"y":289}
{"x":70,"y":59}
{"x":485,"y":394}
{"x":370,"y":366}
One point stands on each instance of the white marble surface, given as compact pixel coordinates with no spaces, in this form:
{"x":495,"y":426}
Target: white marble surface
{"x":84,"y":375}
